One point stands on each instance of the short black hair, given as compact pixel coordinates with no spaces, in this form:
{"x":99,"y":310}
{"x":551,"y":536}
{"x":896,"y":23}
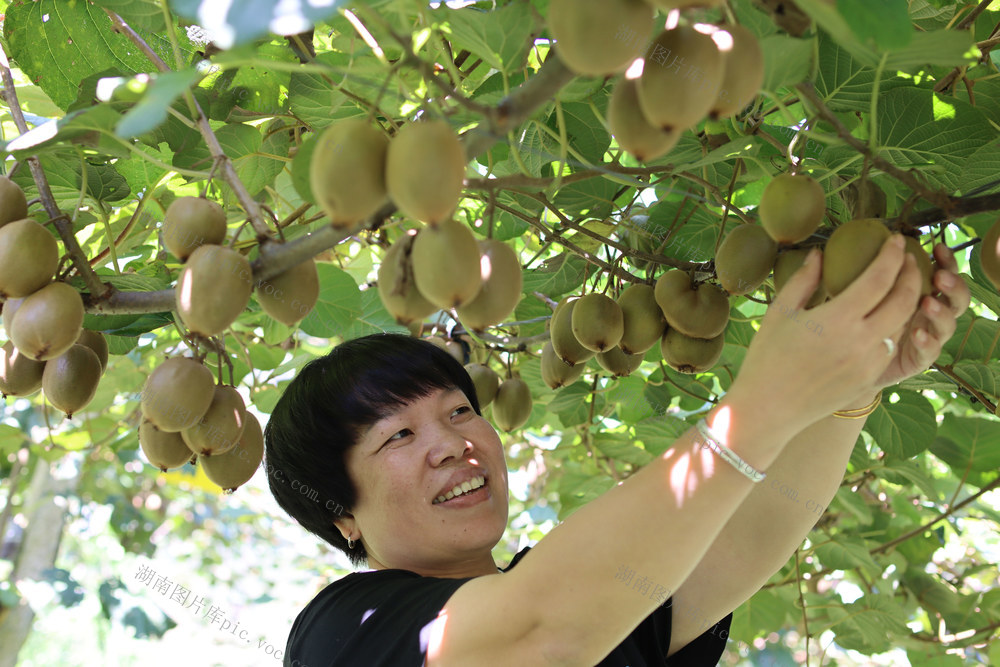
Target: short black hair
{"x":324,"y":410}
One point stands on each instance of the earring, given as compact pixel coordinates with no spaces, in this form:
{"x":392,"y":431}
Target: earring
{"x":350,"y":543}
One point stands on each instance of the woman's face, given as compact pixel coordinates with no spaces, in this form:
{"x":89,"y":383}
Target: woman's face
{"x":403,"y":463}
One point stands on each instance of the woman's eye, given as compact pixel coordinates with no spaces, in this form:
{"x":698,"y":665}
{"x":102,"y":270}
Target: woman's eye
{"x":398,"y":433}
{"x":462,"y":409}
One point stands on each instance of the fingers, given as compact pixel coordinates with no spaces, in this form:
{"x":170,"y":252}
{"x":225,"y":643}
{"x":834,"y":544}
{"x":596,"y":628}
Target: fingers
{"x":901,"y":301}
{"x":870,"y":288}
{"x":954,"y":292}
{"x":800,"y":287}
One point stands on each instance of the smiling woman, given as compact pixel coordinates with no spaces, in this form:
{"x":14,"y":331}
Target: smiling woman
{"x":388,"y":428}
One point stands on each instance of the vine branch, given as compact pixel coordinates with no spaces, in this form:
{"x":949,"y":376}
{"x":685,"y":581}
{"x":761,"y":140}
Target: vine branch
{"x":63,"y":225}
{"x":248,"y":203}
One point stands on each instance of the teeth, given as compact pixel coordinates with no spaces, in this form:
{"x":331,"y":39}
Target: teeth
{"x":460,"y":489}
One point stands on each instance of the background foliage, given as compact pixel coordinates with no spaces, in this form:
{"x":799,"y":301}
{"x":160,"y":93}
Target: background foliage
{"x":902,"y":566}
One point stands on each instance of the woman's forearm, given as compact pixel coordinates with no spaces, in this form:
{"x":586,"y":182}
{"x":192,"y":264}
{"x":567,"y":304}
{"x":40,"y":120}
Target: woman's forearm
{"x":768,"y":525}
{"x":657,"y":525}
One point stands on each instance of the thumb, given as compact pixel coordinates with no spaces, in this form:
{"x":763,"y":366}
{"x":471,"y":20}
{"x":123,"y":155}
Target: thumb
{"x":803,"y":283}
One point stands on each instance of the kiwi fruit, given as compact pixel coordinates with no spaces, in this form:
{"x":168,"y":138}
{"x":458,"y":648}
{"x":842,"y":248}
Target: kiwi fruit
{"x":487,"y":383}
{"x":617,"y":362}
{"x":691,"y":355}
{"x":13,"y":204}
{"x":347,"y":171}
{"x":48,"y":322}
{"x":599,"y":37}
{"x":788,"y":262}
{"x":396,"y":286}
{"x":989,"y":257}
{"x":213,"y":289}
{"x":290,"y":296}
{"x":924,"y":263}
{"x":96,"y":342}
{"x":10,"y":306}
{"x":453,"y":348}
{"x":500,"y":270}
{"x":177,"y":394}
{"x":191,"y":222}
{"x":425,"y":170}
{"x":564,"y":341}
{"x":556,"y":372}
{"x":695,"y":310}
{"x":164,"y":450}
{"x":512,"y":405}
{"x":670,"y":96}
{"x":235,"y":468}
{"x":219,"y":429}
{"x":745,"y":258}
{"x":850,"y":249}
{"x":792,"y":207}
{"x":642,"y":318}
{"x":743,"y":70}
{"x":597,"y":322}
{"x":446,"y":265}
{"x":70,"y":380}
{"x":864,"y":199}
{"x":19,"y":375}
{"x":29,"y":255}
{"x":630,"y":127}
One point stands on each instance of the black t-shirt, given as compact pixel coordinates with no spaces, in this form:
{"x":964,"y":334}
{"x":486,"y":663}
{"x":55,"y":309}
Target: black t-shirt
{"x":383,"y":618}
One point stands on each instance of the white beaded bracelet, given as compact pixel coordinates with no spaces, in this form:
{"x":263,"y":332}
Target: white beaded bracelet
{"x":714,"y":443}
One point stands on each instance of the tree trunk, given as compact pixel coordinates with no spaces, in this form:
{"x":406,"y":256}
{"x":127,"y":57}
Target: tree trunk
{"x":45,"y":511}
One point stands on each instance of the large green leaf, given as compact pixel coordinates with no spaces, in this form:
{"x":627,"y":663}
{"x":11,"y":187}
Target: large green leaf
{"x":903,"y":426}
{"x":338,"y":307}
{"x":968,"y":443}
{"x":501,"y":37}
{"x":58,"y":43}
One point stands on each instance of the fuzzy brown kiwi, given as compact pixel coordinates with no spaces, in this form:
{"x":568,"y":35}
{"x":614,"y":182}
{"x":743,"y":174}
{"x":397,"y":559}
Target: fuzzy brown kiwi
{"x":347,"y":171}
{"x":695,"y":310}
{"x":13,"y":204}
{"x":556,"y":372}
{"x":219,"y":429}
{"x":191,"y":222}
{"x":70,"y":381}
{"x":598,"y":323}
{"x":512,"y":405}
{"x":96,"y":341}
{"x":425,"y":170}
{"x":599,"y":37}
{"x":486,"y":381}
{"x":163,"y":450}
{"x":564,"y":341}
{"x":48,"y":322}
{"x":19,"y":375}
{"x":29,"y":256}
{"x":177,"y":394}
{"x":396,"y":286}
{"x":631,"y":129}
{"x":235,"y":467}
{"x":792,"y":207}
{"x":849,"y":250}
{"x":500,"y":270}
{"x":618,"y":363}
{"x":691,"y":355}
{"x":446,"y":265}
{"x":213,"y":289}
{"x":643,"y":319}
{"x":290,"y":296}
{"x":743,"y":71}
{"x":745,"y":258}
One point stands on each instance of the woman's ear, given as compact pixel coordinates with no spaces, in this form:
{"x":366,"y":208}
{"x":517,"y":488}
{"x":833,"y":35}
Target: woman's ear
{"x":346,"y":524}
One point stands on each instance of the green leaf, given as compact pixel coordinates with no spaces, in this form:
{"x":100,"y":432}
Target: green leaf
{"x":929,"y":131}
{"x":762,"y":613}
{"x":578,"y":486}
{"x":556,"y":276}
{"x":58,"y":43}
{"x":140,"y":14}
{"x":151,"y":110}
{"x":244,"y":145}
{"x":620,"y":447}
{"x":80,"y":125}
{"x":847,"y":553}
{"x":658,"y":434}
{"x":500,"y":37}
{"x":571,"y":404}
{"x":64,"y":172}
{"x":971,"y":443}
{"x":374,"y":318}
{"x":237,"y":23}
{"x":886,"y":23}
{"x":787,"y":61}
{"x":584,"y":132}
{"x":11,"y":439}
{"x":905,"y":427}
{"x":338,"y":306}
{"x":853,"y":503}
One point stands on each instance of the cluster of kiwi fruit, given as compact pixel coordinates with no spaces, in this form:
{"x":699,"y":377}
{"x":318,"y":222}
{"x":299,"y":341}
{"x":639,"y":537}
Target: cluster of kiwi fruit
{"x":791,"y":210}
{"x":216,"y":281}
{"x":186,"y":416}
{"x":48,"y":348}
{"x":689,"y":71}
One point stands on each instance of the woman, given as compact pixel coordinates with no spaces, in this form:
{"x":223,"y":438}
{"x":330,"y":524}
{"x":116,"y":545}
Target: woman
{"x":389,"y":428}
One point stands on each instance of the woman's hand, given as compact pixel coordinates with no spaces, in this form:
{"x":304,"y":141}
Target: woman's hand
{"x":802,"y":365}
{"x":931,"y":326}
